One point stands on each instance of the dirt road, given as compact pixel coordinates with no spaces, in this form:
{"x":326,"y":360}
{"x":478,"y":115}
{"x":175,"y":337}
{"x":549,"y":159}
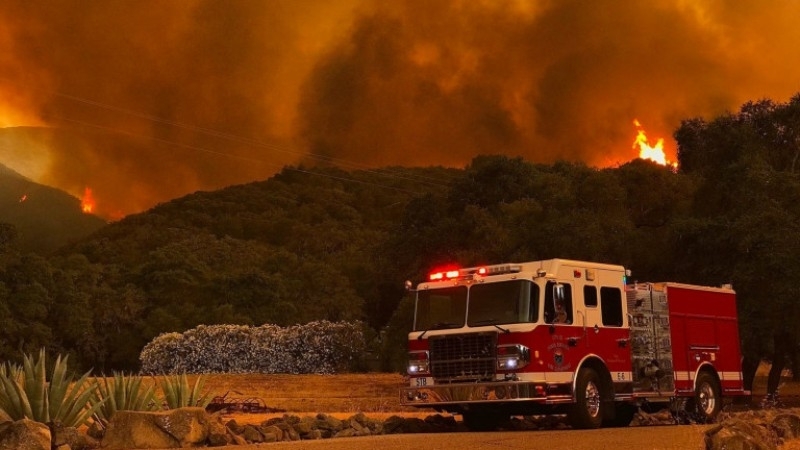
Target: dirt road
{"x":684,"y":437}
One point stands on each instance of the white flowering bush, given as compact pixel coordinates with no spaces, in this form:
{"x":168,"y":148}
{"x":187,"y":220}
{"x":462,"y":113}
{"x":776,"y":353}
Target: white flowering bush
{"x":316,"y":347}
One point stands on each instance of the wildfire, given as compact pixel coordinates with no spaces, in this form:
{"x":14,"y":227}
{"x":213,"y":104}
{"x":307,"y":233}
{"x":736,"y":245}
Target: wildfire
{"x":646,"y":151}
{"x":87,"y":202}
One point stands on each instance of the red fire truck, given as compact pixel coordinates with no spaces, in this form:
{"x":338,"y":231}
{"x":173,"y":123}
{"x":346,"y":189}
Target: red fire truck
{"x":570,"y":337}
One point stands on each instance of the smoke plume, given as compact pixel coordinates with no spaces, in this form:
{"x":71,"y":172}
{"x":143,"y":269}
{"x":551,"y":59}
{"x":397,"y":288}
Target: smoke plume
{"x":149,"y":102}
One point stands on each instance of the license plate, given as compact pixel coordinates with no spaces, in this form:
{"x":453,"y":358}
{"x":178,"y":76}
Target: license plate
{"x":422,"y":382}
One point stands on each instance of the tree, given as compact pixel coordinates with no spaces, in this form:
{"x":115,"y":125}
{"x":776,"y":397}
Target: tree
{"x":745,"y":214}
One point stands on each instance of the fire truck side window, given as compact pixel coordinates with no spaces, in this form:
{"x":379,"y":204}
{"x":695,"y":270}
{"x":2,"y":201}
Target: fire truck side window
{"x":557,"y":309}
{"x":590,"y":296}
{"x":611,"y":306}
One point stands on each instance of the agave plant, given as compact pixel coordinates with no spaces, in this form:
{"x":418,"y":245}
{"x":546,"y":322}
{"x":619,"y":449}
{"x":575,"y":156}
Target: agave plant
{"x":10,"y":370}
{"x":178,"y":393}
{"x":27,"y":393}
{"x":123,"y":393}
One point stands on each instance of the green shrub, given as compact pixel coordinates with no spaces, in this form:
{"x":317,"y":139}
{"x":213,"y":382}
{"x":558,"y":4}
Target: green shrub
{"x":26,"y":393}
{"x":123,"y":393}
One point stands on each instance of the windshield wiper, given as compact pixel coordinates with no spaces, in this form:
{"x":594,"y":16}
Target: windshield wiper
{"x":490,"y":322}
{"x":439,"y":326}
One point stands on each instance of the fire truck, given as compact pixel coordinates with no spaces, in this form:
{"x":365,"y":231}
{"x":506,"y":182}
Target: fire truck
{"x":570,"y":337}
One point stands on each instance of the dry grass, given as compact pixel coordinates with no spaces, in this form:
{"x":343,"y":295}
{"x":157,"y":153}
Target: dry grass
{"x":375,"y":394}
{"x":372,"y":392}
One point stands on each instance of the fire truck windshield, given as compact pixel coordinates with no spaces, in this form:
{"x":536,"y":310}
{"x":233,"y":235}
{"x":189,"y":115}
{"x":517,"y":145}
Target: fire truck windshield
{"x":505,"y":302}
{"x":441,"y":308}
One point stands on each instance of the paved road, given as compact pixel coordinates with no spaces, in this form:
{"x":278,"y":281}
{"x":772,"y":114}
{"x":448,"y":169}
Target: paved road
{"x":684,"y":437}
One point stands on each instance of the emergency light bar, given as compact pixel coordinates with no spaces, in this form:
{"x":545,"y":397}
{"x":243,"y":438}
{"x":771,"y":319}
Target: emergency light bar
{"x":480,"y":271}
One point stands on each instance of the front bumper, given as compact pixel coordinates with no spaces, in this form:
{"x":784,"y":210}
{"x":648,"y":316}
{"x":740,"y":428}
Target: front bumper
{"x":492,"y":392}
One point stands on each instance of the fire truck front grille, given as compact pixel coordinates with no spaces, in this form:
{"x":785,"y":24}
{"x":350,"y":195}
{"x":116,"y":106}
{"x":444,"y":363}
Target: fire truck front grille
{"x":463,"y":357}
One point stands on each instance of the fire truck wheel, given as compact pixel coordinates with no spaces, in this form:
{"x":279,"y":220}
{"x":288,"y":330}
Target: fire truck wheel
{"x":623,"y":415}
{"x":707,"y":402}
{"x":587,"y":412}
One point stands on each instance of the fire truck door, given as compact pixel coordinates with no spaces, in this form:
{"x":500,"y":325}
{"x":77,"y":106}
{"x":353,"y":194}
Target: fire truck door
{"x":561,"y":314}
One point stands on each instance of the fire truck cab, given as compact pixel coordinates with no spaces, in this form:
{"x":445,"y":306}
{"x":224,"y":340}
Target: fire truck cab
{"x":569,"y":337}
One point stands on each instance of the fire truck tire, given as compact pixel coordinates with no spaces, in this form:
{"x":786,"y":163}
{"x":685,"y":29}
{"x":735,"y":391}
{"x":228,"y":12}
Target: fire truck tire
{"x":587,"y":412}
{"x":623,"y":415}
{"x":483,"y":420}
{"x":707,"y":401}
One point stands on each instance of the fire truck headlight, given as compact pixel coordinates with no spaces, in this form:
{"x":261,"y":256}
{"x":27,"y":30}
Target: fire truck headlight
{"x":418,"y":363}
{"x":512,"y":357}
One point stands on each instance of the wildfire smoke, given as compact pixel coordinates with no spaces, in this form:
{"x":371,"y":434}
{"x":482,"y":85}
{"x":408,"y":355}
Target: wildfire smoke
{"x":168,"y":98}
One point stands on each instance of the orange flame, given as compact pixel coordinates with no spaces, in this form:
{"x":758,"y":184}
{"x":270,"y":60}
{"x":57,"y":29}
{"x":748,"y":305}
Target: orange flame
{"x":646,"y":151}
{"x":87,"y":202}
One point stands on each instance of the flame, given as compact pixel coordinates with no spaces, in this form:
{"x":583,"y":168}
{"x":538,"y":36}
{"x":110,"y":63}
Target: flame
{"x":646,"y":151}
{"x":23,"y":198}
{"x":87,"y":202}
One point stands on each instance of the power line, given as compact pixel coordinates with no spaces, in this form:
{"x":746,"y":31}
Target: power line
{"x":253,"y":142}
{"x":247,"y":158}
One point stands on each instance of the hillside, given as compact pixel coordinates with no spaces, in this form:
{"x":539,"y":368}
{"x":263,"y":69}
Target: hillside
{"x":325,"y":243}
{"x":45,"y":218}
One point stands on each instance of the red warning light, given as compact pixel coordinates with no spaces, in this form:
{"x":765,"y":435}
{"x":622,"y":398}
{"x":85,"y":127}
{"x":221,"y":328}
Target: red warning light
{"x":446,"y":275}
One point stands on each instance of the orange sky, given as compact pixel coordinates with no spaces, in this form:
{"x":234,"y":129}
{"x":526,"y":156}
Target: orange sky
{"x":163,"y":100}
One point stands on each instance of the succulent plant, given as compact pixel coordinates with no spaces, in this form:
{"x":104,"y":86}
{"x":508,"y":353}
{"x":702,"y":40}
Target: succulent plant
{"x":26,"y":392}
{"x":123,"y":393}
{"x":178,"y":393}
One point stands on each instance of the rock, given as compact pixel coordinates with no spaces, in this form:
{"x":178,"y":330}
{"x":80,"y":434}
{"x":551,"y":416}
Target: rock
{"x":360,"y":430}
{"x":304,"y":426}
{"x":233,"y":426}
{"x":218,"y":434}
{"x":396,"y":424}
{"x":393,"y":425}
{"x":314,"y":434}
{"x":238,"y":440}
{"x":252,"y":434}
{"x":176,"y":428}
{"x":63,"y":437}
{"x":24,"y":435}
{"x":96,"y":430}
{"x":787,"y":426}
{"x":330,"y":423}
{"x":273,"y":433}
{"x":741,"y":435}
{"x":347,"y":432}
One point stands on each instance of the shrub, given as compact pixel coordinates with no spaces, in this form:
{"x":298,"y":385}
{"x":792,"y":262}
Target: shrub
{"x":26,"y":393}
{"x":317,"y":347}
